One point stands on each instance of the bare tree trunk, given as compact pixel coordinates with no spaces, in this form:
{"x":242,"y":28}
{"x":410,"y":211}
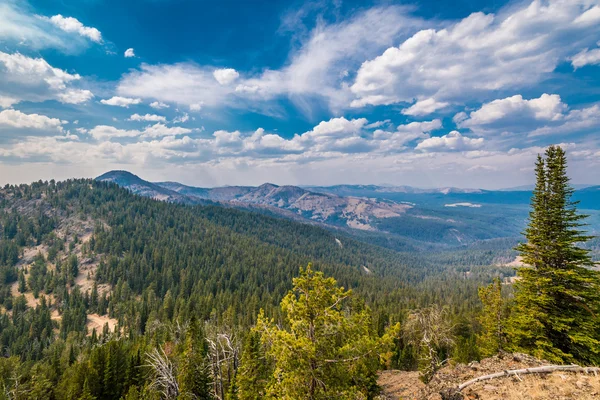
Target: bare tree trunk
{"x":536,"y":370}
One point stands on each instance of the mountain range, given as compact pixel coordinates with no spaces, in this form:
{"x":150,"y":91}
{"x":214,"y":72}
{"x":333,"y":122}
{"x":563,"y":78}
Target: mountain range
{"x":415,"y":217}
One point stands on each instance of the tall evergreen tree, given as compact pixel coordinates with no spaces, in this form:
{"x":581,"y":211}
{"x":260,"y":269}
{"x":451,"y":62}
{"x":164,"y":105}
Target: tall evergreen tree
{"x":193,"y":378}
{"x":254,"y":369}
{"x":557,"y":300}
{"x":492,"y":319}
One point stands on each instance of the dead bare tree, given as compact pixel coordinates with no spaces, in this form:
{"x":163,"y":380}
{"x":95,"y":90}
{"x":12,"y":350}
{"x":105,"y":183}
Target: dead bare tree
{"x":547,"y":369}
{"x":224,"y":352}
{"x":164,"y":378}
{"x":430,"y":331}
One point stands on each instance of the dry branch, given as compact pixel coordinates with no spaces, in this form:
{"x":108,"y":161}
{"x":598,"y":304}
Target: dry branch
{"x":535,"y":370}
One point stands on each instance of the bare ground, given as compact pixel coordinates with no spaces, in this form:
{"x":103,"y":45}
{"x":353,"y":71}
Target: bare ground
{"x":97,"y":322}
{"x":83,"y":229}
{"x":555,"y":386}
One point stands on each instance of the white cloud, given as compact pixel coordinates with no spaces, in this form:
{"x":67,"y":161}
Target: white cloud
{"x":424,"y":107}
{"x":195,"y":107}
{"x":148,"y":117}
{"x":21,"y":28}
{"x":225,"y":76}
{"x":479,"y":55}
{"x":121,"y":101}
{"x":513,"y":117}
{"x":589,"y":17}
{"x":75,"y":96}
{"x":129,"y":53}
{"x":33,"y":79}
{"x":586,"y":57}
{"x":576,"y":120}
{"x":158,"y":105}
{"x":515,"y":110}
{"x":17,"y":119}
{"x":179,"y":83}
{"x":159,"y":130}
{"x":337,"y":127}
{"x":104,"y":132}
{"x":453,"y":141}
{"x":314,"y":70}
{"x":72,"y":25}
{"x":180,"y":119}
{"x":404,"y":134}
{"x":377,"y":124}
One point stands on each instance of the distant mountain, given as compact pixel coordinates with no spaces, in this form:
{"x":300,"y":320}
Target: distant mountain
{"x":143,"y":188}
{"x":393,"y":216}
{"x":529,"y":188}
{"x":354,"y":212}
{"x":345,"y":190}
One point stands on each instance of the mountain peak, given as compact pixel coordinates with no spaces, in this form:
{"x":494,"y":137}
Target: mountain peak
{"x":120,"y":177}
{"x":268,"y":185}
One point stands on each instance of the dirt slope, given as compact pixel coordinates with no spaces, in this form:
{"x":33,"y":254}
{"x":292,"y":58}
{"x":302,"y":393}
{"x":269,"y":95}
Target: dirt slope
{"x":555,"y":386}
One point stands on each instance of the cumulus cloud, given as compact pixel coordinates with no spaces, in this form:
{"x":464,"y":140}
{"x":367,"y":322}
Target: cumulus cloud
{"x":17,"y":119}
{"x":72,"y":25}
{"x":159,"y":130}
{"x":584,"y":120}
{"x":404,"y":134}
{"x":453,"y":141}
{"x":225,"y":76}
{"x":482,"y":53}
{"x":129,"y":53}
{"x":158,"y":105}
{"x":332,"y":138}
{"x":119,"y":101}
{"x":104,"y":132}
{"x":545,"y":115}
{"x":424,"y":107}
{"x":148,"y":117}
{"x":516,"y":110}
{"x":33,"y":79}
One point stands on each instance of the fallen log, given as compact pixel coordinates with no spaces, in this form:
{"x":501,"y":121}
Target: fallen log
{"x":535,"y":370}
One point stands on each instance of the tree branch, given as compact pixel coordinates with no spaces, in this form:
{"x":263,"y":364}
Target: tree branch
{"x":536,"y":370}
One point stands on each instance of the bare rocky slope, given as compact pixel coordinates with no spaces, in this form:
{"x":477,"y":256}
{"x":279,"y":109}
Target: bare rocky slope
{"x":354,"y":212}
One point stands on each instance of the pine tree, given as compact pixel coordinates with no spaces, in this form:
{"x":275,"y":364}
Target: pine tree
{"x":492,"y":319}
{"x":254,"y":370}
{"x":22,"y":283}
{"x":328,"y":351}
{"x":557,"y":299}
{"x":193,"y":378}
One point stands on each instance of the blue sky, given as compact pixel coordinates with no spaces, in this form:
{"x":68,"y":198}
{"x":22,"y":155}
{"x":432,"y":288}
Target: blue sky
{"x":430,"y":93}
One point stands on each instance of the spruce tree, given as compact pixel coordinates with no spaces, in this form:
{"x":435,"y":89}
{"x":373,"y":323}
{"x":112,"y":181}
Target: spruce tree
{"x":254,"y":369}
{"x":556,"y":312}
{"x":193,"y":378}
{"x":492,"y":319}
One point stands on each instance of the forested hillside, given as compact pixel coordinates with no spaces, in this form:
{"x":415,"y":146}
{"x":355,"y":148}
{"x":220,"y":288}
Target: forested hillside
{"x":106,"y":294}
{"x":86,"y":263}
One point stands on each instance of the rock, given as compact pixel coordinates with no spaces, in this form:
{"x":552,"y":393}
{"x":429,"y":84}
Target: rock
{"x":490,"y":388}
{"x":474,"y":365}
